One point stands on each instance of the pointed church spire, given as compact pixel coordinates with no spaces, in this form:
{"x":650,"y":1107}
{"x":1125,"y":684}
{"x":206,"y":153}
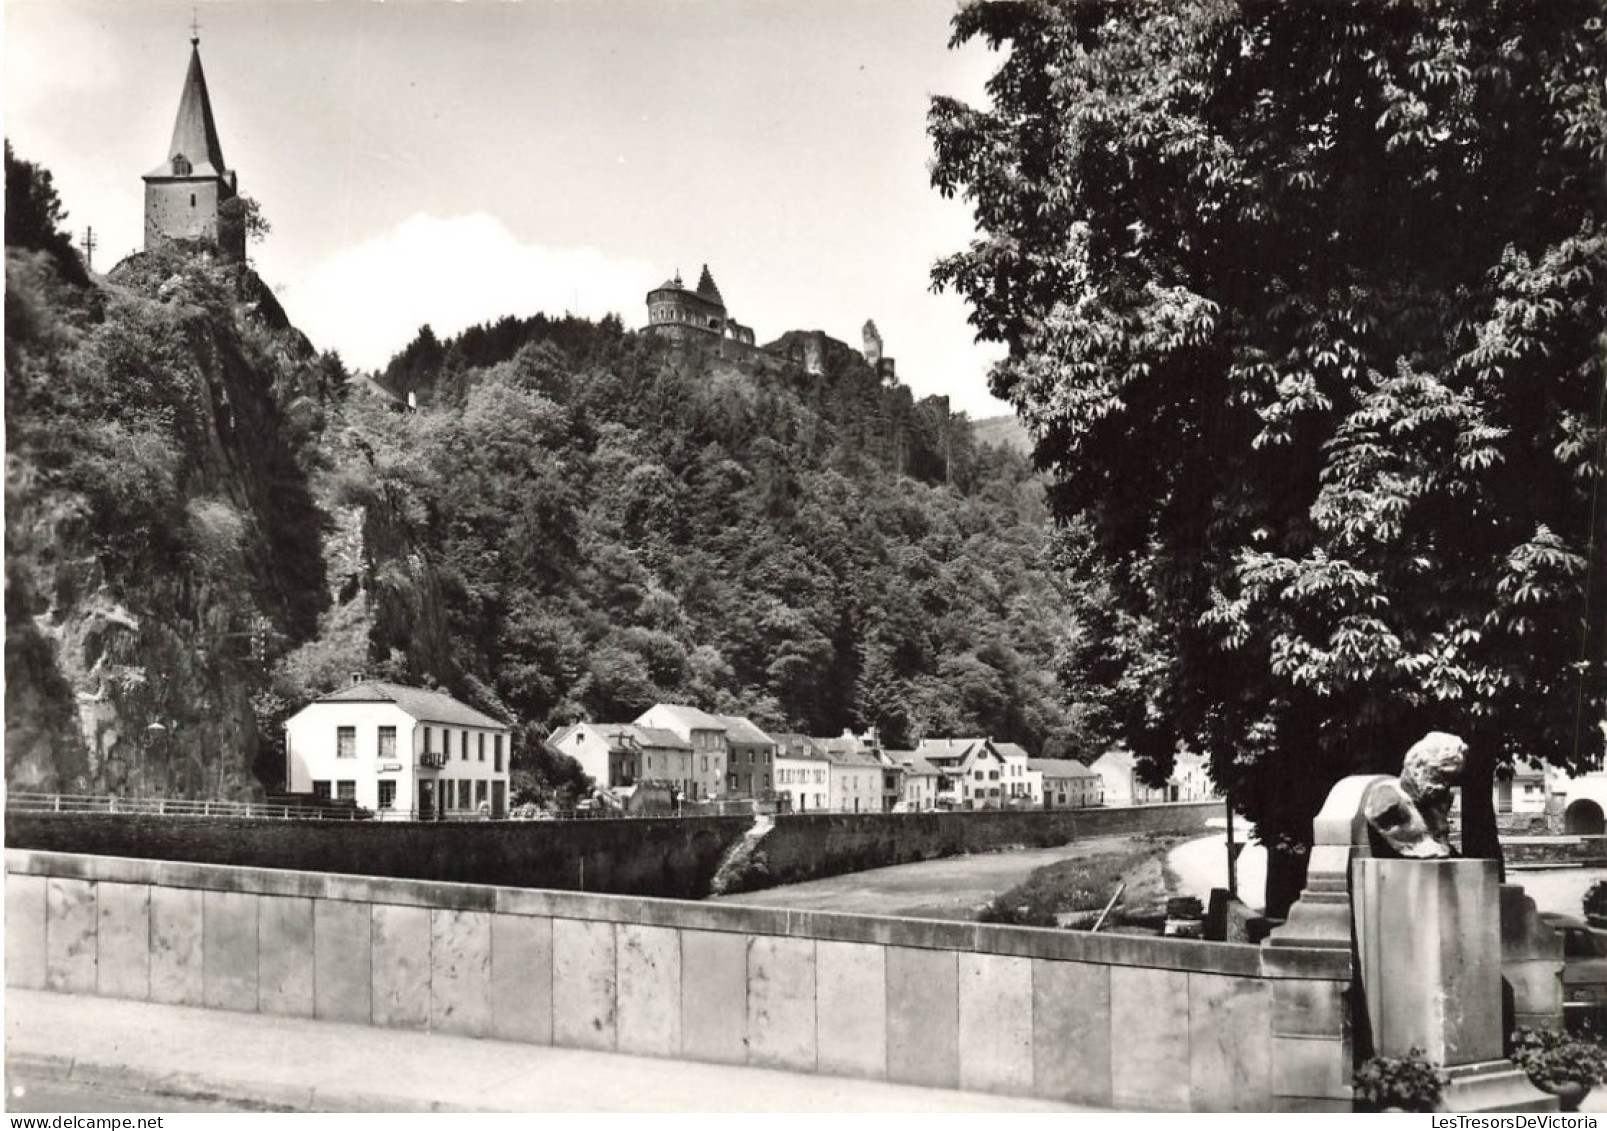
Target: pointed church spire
{"x":707,"y":289}
{"x":195,"y":134}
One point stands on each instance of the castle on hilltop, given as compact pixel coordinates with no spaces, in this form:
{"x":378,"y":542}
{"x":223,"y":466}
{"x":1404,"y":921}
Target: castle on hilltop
{"x":699,"y":316}
{"x":681,"y":315}
{"x":187,"y":197}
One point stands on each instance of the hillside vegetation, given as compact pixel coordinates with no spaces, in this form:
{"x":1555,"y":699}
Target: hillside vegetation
{"x":209,"y":524}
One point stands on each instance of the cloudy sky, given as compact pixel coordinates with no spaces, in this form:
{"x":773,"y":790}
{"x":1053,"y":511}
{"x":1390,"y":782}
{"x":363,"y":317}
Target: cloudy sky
{"x":452,"y":162}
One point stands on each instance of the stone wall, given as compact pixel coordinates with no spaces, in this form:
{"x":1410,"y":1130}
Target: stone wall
{"x":645,"y":856}
{"x":641,"y":856}
{"x":1105,"y":1020}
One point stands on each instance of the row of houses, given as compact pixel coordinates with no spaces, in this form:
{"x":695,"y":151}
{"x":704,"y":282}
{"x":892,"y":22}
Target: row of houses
{"x":703,"y":756}
{"x":411,"y":752}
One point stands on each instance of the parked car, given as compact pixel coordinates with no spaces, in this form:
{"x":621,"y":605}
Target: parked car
{"x":1584,"y":972}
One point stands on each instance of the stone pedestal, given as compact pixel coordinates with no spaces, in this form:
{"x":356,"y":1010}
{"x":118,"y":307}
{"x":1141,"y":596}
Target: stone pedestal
{"x":1428,"y":934}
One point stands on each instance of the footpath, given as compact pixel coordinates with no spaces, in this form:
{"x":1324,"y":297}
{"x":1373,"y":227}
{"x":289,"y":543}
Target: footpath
{"x":286,"y":1063}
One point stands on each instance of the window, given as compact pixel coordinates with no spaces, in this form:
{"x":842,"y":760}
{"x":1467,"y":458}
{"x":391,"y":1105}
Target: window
{"x":705,"y":763}
{"x":993,"y":775}
{"x":426,"y":740}
{"x":482,"y":746}
{"x":346,"y":790}
{"x":387,"y":743}
{"x":979,"y":775}
{"x":499,"y":758}
{"x":479,"y":793}
{"x":345,"y":742}
{"x":497,"y":752}
{"x":192,"y":200}
{"x":731,"y":782}
{"x":320,"y":790}
{"x":463,"y":746}
{"x":387,"y":795}
{"x":183,"y":168}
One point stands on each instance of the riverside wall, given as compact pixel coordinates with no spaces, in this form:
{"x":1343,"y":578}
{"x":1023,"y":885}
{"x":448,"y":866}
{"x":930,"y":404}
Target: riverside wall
{"x":640,"y":856}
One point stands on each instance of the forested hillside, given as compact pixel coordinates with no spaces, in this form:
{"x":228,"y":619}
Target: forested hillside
{"x":210,"y":524}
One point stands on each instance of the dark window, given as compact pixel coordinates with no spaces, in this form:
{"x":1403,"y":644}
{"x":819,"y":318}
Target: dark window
{"x":345,"y":742}
{"x":387,"y":743}
{"x":479,"y":792}
{"x":183,"y":168}
{"x":320,"y":790}
{"x":496,"y":751}
{"x":192,"y":200}
{"x":482,"y":746}
{"x":426,"y":740}
{"x":346,"y":790}
{"x":387,"y":795}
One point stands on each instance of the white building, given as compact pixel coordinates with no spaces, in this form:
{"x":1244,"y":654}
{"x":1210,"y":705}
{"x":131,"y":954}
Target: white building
{"x":802,"y":773}
{"x":854,"y":775}
{"x":621,"y":755}
{"x":706,"y":734}
{"x":977,"y":773}
{"x":399,"y":751}
{"x":918,"y":783}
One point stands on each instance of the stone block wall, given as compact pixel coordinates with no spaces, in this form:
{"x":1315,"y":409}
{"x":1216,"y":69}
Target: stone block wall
{"x":1106,"y":1020}
{"x":641,"y":856}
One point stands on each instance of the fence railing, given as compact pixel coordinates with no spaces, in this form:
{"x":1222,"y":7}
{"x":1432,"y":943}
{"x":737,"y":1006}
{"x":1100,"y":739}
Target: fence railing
{"x":175,"y":807}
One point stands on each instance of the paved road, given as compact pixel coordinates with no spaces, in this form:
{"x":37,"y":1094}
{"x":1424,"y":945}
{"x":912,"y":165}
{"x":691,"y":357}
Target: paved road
{"x":1202,"y":864}
{"x":952,"y":888}
{"x":27,"y":1094}
{"x":87,"y":1047}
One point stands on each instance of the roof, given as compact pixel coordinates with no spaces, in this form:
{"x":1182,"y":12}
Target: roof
{"x":742,"y":732}
{"x":625,"y":737}
{"x":839,"y":755}
{"x":424,"y":705}
{"x":947,"y":749}
{"x":914,"y":764}
{"x":800,"y":747}
{"x":689,"y":717}
{"x":1060,"y":768}
{"x":195,"y":134}
{"x":706,"y":288}
{"x":1011,"y":750}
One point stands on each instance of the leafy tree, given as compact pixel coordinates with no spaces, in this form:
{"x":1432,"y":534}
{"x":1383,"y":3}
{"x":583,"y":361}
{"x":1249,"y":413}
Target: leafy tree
{"x":1302,"y":308}
{"x":34,"y":215}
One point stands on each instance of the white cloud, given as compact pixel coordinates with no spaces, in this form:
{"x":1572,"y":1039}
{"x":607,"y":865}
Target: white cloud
{"x":368,"y":301}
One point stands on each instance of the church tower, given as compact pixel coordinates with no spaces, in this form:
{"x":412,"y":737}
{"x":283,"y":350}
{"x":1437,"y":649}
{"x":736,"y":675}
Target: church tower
{"x":186,"y":194}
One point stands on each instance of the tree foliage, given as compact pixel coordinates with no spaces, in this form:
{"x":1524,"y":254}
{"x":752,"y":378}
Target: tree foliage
{"x":605,"y":522}
{"x":1303,"y":307}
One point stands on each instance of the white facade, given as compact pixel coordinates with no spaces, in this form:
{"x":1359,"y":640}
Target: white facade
{"x":383,"y":758}
{"x":855,"y":783}
{"x":804,"y":780}
{"x":706,"y":734}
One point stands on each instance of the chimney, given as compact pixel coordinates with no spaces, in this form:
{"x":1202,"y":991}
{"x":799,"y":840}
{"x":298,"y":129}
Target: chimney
{"x":357,"y":677}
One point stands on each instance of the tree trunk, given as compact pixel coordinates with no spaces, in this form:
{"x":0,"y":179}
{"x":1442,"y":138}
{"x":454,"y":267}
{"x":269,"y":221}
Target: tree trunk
{"x":1480,"y":839}
{"x":1286,"y":879}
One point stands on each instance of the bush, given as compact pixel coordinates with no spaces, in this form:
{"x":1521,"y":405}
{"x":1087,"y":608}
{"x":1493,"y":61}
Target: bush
{"x":1552,"y":1059}
{"x":1408,"y":1082}
{"x":1596,"y":901}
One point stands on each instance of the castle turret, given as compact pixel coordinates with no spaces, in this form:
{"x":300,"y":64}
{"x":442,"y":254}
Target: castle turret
{"x":186,"y":194}
{"x":873,"y":343}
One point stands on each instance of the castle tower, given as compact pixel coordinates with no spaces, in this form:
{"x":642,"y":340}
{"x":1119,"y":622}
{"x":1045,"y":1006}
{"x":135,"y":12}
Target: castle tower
{"x":186,"y":194}
{"x":873,"y":344}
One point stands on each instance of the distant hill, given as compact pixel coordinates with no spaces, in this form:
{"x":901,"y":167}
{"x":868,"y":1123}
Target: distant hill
{"x":1003,"y":432}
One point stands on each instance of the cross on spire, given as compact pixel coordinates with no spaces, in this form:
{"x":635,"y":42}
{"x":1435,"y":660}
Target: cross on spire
{"x":195,"y":27}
